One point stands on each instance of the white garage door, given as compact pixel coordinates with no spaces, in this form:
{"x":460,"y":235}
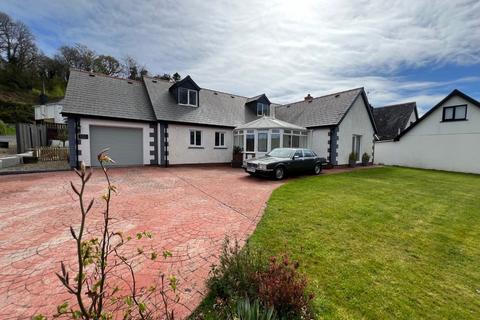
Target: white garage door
{"x":126,"y":144}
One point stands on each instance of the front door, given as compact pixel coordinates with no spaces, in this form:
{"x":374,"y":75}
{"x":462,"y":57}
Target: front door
{"x":356,"y":145}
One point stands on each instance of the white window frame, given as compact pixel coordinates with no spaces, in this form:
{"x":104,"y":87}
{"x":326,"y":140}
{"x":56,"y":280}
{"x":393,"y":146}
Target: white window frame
{"x":239,"y":136}
{"x":294,"y":133}
{"x":266,"y":140}
{"x":188,"y":97}
{"x":357,"y":145}
{"x":221,"y":139}
{"x":195,"y":145}
{"x":262,"y":110}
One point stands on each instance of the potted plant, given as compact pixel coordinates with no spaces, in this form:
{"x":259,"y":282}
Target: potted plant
{"x":365,"y":159}
{"x":352,"y":159}
{"x":237,"y":157}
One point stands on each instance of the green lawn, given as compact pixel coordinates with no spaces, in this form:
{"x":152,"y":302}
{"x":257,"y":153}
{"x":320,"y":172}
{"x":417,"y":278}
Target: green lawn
{"x":382,"y":243}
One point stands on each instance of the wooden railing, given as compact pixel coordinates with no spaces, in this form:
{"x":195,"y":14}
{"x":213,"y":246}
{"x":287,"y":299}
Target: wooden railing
{"x":51,"y":153}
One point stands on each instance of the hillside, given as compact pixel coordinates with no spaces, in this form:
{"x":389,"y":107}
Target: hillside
{"x":16,"y":104}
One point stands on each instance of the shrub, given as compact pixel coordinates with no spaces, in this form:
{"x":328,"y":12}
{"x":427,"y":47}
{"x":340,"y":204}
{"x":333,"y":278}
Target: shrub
{"x":3,"y":128}
{"x":11,"y":112}
{"x":236,"y":272}
{"x":237,"y":150}
{"x":254,"y":311}
{"x":352,"y":157}
{"x":282,"y":287}
{"x":365,"y":158}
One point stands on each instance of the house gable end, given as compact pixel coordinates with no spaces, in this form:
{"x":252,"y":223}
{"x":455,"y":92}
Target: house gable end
{"x":454,"y":93}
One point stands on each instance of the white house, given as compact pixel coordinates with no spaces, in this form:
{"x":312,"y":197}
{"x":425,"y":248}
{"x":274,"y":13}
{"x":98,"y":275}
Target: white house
{"x":157,"y":122}
{"x":50,"y":112}
{"x":445,"y":138}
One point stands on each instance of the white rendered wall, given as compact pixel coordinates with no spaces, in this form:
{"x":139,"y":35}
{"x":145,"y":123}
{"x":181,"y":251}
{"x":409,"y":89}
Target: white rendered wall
{"x":433,"y":144}
{"x":357,"y":121}
{"x":84,"y":146}
{"x":318,"y":142}
{"x":49,"y":112}
{"x":180,"y":151}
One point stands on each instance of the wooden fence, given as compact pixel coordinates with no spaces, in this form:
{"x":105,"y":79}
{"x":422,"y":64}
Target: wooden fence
{"x":51,"y":153}
{"x":55,"y":130}
{"x":30,"y":136}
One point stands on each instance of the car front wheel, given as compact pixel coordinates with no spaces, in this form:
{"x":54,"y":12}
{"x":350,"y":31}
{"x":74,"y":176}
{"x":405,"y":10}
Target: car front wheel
{"x":317,"y":169}
{"x":279,"y":173}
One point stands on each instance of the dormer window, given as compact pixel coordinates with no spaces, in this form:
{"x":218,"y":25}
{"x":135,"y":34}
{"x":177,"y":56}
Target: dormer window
{"x":187,"y":97}
{"x":263,"y":109}
{"x":455,"y":113}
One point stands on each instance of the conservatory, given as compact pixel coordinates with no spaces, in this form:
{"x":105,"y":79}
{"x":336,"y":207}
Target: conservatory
{"x":258,"y":137}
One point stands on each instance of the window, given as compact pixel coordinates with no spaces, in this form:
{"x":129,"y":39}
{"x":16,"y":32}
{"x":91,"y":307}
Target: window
{"x":195,"y":138}
{"x":187,"y":97}
{"x":287,"y":138}
{"x":263,"y":109}
{"x":274,"y":139}
{"x":219,"y":139}
{"x":298,"y":154}
{"x":455,"y":113}
{"x":238,"y":139}
{"x":262,"y":141}
{"x":295,"y":139}
{"x":308,"y":154}
{"x":250,"y":143}
{"x":356,"y":145}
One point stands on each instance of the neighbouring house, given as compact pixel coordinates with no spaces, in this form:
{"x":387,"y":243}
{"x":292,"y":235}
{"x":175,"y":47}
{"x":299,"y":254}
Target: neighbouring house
{"x":392,"y":120}
{"x":49,"y":112}
{"x":445,"y":138}
{"x":158,"y":122}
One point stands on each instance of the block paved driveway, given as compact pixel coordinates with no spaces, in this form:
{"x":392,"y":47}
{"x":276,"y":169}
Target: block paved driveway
{"x":188,"y":210}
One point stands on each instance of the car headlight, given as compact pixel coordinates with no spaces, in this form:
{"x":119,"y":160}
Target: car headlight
{"x":262,"y":167}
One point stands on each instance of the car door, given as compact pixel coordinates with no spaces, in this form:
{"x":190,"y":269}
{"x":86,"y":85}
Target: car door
{"x":308,"y":160}
{"x":297,"y":161}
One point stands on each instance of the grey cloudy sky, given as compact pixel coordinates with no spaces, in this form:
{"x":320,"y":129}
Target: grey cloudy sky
{"x":398,"y":50}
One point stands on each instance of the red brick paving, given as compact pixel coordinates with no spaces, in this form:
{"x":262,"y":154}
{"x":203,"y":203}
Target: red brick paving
{"x":189,"y":211}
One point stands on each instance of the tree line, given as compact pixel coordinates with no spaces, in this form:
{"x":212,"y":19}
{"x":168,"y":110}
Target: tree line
{"x":24,"y":66}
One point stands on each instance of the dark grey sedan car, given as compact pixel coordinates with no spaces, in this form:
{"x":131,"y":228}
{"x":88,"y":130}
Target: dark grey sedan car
{"x":282,"y":161}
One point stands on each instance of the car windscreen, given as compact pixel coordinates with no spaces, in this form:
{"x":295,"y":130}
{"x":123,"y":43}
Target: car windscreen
{"x":280,"y":153}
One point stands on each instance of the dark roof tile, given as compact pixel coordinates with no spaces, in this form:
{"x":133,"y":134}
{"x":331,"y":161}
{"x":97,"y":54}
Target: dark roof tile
{"x":391,"y":120}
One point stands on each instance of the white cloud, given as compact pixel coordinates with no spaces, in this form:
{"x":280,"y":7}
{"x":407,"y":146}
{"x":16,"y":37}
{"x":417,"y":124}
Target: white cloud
{"x":284,"y":48}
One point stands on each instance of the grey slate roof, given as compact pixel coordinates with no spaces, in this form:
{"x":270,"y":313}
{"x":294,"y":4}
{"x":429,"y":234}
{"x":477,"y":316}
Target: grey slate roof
{"x":215,"y":108}
{"x":104,"y":96}
{"x":151,"y":100}
{"x":269,"y":123}
{"x":321,"y":111}
{"x":391,"y":120}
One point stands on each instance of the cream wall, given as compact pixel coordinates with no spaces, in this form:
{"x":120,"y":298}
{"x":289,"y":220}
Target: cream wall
{"x":433,"y":144}
{"x":356,"y":121}
{"x":50,"y":112}
{"x":84,"y":146}
{"x":180,"y":152}
{"x":318,"y":142}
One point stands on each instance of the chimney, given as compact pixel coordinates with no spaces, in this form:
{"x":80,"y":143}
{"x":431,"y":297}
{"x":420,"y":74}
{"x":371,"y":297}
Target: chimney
{"x":308,"y":98}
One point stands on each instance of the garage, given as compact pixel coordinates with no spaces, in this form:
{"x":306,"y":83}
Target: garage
{"x":126,"y":144}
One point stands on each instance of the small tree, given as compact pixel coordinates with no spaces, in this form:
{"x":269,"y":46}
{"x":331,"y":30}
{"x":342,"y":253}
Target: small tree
{"x":352,"y":159}
{"x":62,"y":135}
{"x":97,"y":296}
{"x":176,"y":77}
{"x":365,"y":158}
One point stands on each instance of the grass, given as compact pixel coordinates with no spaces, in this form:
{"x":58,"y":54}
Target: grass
{"x":382,"y":243}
